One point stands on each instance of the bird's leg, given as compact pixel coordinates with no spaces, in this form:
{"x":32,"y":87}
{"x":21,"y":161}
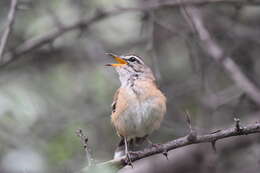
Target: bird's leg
{"x":157,"y":146}
{"x":129,"y":161}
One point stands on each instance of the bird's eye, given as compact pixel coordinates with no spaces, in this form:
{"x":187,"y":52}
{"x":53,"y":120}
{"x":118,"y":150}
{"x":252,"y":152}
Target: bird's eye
{"x":132,"y":59}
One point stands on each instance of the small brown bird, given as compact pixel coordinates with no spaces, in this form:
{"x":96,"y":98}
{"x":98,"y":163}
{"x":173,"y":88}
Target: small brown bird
{"x":139,"y":106}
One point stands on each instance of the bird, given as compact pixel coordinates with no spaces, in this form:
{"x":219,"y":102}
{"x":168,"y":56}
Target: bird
{"x":139,"y":106}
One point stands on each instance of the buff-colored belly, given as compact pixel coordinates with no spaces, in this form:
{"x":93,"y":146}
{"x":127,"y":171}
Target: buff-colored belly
{"x":140,"y":118}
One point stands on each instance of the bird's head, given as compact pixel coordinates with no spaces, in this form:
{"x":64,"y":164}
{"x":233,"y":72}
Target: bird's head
{"x":128,"y":66}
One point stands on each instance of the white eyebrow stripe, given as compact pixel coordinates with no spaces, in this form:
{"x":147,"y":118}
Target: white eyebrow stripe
{"x":138,"y":58}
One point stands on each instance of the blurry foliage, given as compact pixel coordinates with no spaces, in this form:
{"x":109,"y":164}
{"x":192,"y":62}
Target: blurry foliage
{"x":62,"y":146}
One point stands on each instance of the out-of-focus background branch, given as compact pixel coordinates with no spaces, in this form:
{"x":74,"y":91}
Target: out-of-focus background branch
{"x":8,"y":28}
{"x":194,"y":17}
{"x":53,"y":81}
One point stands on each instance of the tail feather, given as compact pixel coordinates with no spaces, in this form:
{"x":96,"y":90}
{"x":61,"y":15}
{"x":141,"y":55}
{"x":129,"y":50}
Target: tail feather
{"x":133,"y":144}
{"x":120,"y":149}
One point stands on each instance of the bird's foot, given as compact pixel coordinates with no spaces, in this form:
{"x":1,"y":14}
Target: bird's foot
{"x":128,"y":160}
{"x":129,"y":155}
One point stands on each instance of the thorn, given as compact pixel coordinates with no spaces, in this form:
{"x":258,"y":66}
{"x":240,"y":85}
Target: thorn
{"x":187,"y":115}
{"x":213,"y":144}
{"x":238,"y":127}
{"x":83,"y":138}
{"x":216,"y":131}
{"x":165,"y":153}
{"x":84,"y":141}
{"x":158,"y":146}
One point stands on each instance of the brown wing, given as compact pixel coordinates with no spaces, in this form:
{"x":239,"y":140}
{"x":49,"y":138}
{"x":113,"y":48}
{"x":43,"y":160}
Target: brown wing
{"x":113,"y":105}
{"x":119,"y":105}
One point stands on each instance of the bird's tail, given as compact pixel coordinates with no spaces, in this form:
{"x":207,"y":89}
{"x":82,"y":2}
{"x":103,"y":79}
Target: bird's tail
{"x":133,"y":144}
{"x":120,"y":149}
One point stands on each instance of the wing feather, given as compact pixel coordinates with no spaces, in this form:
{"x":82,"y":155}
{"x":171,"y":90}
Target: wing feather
{"x":114,"y":103}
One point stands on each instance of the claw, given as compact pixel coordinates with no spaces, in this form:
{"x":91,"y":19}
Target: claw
{"x":128,"y":160}
{"x":128,"y":157}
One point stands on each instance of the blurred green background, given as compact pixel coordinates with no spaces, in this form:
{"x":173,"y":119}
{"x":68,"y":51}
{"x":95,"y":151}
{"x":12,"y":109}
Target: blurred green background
{"x":51,"y":91}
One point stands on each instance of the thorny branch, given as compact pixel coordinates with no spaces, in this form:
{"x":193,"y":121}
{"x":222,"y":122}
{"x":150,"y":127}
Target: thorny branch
{"x":8,"y":29}
{"x":48,"y":37}
{"x":184,"y":141}
{"x":84,"y":142}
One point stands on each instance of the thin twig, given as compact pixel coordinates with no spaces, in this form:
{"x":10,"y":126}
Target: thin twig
{"x":8,"y":28}
{"x":210,"y":46}
{"x":46,"y":38}
{"x":84,"y":141}
{"x":184,"y":141}
{"x":192,"y":133}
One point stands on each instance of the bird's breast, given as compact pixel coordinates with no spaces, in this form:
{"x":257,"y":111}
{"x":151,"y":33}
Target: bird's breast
{"x":143,"y":114}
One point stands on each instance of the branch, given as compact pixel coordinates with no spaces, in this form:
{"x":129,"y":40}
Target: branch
{"x":84,"y":142}
{"x":237,"y":130}
{"x":8,"y":29}
{"x":209,"y":45}
{"x":50,"y":36}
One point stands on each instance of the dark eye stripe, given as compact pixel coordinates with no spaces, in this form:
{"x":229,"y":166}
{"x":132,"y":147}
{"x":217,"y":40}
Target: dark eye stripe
{"x":133,"y":59}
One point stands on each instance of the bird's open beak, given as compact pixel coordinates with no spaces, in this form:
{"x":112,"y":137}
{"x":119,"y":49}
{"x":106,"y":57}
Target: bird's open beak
{"x":120,"y":60}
